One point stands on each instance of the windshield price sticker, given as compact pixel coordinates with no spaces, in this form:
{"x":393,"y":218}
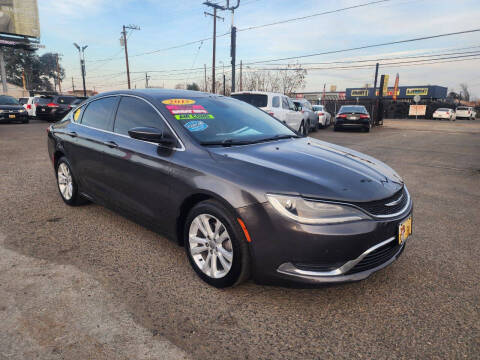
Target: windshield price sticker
{"x":186,"y":109}
{"x":196,"y":125}
{"x":178,"y":102}
{"x":194,"y":117}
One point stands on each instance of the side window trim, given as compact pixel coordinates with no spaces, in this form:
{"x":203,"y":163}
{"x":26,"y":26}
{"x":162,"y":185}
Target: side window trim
{"x":182,"y":148}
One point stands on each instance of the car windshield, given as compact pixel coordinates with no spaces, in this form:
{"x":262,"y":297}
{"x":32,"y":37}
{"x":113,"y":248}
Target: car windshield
{"x":353,"y":109}
{"x":443,"y":110}
{"x":218,"y":120}
{"x":44,"y":100}
{"x":258,"y":100}
{"x":462,"y":108}
{"x":317,"y":108}
{"x":8,"y":100}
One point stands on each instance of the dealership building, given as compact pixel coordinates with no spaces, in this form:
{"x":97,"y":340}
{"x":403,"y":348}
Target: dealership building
{"x":430,"y":92}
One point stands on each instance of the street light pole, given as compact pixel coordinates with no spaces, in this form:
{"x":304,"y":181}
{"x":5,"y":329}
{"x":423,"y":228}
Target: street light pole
{"x":81,"y":53}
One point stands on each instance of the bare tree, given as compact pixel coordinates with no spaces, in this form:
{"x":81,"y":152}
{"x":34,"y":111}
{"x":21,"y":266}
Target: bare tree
{"x":464,"y":92}
{"x":286,"y":80}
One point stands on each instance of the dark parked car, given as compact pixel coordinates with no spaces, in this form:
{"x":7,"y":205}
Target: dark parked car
{"x":353,"y":116}
{"x":11,"y":110}
{"x":54,"y":108}
{"x":234,"y":185}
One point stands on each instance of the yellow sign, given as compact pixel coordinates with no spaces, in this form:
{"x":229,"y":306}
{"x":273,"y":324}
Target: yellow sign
{"x":385,"y":84}
{"x":355,"y":93}
{"x":416,"y":91}
{"x":178,"y":102}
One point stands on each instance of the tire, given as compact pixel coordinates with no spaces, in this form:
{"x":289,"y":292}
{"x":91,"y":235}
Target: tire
{"x":69,"y":190}
{"x":302,"y":130}
{"x":314,"y":128}
{"x":210,"y":213}
{"x":367,"y":129}
{"x":26,"y":121}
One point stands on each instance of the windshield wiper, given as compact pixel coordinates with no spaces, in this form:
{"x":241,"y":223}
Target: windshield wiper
{"x":231,"y":142}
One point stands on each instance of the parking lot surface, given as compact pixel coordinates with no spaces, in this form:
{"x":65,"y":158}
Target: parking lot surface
{"x":85,"y":282}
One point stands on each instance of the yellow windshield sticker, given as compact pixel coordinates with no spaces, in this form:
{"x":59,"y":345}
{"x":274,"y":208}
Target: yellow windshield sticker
{"x":76,"y":115}
{"x":178,"y":102}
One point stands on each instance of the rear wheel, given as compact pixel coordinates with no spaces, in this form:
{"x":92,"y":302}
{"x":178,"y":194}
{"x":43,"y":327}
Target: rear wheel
{"x":215,"y":245}
{"x":67,"y":185}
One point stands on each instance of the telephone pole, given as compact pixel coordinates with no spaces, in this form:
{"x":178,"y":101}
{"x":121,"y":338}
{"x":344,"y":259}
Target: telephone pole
{"x":214,"y":15}
{"x":73,"y":86}
{"x":59,"y":81}
{"x":233,"y":42}
{"x":241,"y":78}
{"x":146,"y":80}
{"x":81,"y":52}
{"x":205,"y":78}
{"x":123,"y":42}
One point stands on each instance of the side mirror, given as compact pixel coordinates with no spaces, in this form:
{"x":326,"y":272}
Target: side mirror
{"x":152,"y":135}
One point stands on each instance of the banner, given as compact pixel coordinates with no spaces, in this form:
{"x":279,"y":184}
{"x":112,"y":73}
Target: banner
{"x":385,"y":84}
{"x":395,"y":88}
{"x":19,"y":17}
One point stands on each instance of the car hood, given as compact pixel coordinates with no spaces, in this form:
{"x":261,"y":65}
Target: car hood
{"x":11,"y":107}
{"x":311,"y":168}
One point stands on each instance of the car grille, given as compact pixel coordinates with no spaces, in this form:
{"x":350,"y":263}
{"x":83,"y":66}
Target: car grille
{"x":388,"y":206}
{"x":377,"y":257}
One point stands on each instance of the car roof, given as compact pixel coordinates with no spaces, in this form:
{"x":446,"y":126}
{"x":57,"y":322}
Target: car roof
{"x":258,"y":92}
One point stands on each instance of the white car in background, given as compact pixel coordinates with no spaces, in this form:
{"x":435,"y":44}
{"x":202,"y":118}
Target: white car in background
{"x":277,"y":105}
{"x":324,"y":117}
{"x":466,"y":112}
{"x":444,"y":113}
{"x":29,"y":105}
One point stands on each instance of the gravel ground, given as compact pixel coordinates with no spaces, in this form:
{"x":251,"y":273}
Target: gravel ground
{"x":84,"y":282}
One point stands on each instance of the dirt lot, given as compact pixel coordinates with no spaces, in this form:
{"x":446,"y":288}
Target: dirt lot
{"x":85,"y":283}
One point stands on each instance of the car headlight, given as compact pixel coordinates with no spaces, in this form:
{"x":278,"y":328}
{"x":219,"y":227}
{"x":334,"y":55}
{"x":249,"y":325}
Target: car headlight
{"x":1,"y":111}
{"x":314,"y":212}
{"x":22,"y":111}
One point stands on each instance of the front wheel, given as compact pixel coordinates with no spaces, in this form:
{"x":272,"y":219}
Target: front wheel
{"x":215,"y":245}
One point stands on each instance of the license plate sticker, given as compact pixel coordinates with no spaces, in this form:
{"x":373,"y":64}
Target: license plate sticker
{"x":404,"y":230}
{"x":11,"y":116}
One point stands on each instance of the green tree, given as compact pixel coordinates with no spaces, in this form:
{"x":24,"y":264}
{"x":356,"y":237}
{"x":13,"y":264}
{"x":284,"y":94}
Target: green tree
{"x":193,"y":86}
{"x":40,"y":71}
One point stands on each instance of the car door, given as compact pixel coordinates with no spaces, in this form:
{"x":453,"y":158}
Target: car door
{"x":294,"y":118}
{"x":86,"y":143}
{"x":137,"y":172}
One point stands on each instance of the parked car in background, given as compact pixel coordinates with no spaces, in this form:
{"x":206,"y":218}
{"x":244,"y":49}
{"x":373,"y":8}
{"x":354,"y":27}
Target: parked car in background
{"x":467,"y":112}
{"x":53,"y":107}
{"x":309,"y":116}
{"x":444,"y":113}
{"x":243,"y":193}
{"x":353,"y":116}
{"x":29,"y":104}
{"x":11,"y":110}
{"x":324,"y":117}
{"x":277,"y":105}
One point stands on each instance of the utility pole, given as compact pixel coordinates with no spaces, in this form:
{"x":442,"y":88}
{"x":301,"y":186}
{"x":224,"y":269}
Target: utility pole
{"x":124,"y":43}
{"x":214,"y":15}
{"x":58,"y":76}
{"x":81,"y":52}
{"x":241,"y":78}
{"x":376,"y":102}
{"x":146,"y":80}
{"x":233,"y":42}
{"x":205,"y":78}
{"x":73,"y":86}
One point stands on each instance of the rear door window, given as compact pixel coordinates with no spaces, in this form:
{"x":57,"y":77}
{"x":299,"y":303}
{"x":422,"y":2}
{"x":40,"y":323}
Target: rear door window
{"x":133,"y":112}
{"x":285,"y":103}
{"x":98,"y":113}
{"x":258,"y":100}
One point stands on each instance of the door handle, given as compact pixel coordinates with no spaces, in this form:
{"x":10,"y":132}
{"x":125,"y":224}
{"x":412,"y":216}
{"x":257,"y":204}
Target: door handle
{"x":72,"y":134}
{"x":111,"y":144}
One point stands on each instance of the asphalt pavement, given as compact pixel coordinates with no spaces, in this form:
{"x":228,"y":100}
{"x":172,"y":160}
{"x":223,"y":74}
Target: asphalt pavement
{"x":85,"y":282}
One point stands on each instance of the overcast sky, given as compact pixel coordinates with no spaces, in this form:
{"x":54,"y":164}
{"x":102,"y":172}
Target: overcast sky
{"x":168,"y":23}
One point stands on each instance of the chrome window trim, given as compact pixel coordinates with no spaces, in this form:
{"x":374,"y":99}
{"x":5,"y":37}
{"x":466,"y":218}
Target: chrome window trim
{"x":400,"y":212}
{"x":182,"y":148}
{"x":290,"y":269}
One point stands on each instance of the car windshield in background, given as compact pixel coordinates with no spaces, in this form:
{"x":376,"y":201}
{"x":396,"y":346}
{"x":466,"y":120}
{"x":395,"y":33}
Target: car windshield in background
{"x":215,"y":120}
{"x":8,"y":100}
{"x":353,"y":109}
{"x":258,"y":100}
{"x":44,"y":100}
{"x":66,"y":100}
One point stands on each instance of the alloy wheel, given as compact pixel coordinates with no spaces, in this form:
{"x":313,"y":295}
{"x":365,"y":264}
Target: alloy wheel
{"x":210,"y":246}
{"x":65,"y":181}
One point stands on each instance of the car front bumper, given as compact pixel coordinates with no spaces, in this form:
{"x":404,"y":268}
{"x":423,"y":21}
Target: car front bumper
{"x":5,"y":117}
{"x":285,"y":252}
